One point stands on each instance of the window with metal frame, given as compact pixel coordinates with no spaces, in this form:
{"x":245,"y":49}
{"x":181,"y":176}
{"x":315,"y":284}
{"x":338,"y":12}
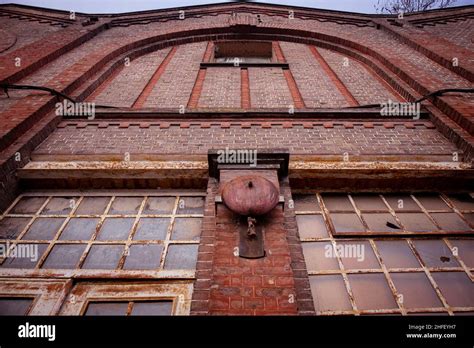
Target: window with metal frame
{"x":358,"y":263}
{"x":91,"y":232}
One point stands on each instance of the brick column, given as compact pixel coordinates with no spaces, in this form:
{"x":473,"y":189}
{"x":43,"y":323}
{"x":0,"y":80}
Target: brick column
{"x":227,"y":284}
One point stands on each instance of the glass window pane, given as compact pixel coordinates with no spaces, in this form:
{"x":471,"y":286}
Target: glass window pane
{"x":126,"y":205}
{"x":435,"y":253}
{"x":329,"y":293}
{"x":306,"y":202}
{"x":465,"y":250}
{"x":416,"y":290}
{"x":92,"y":206}
{"x":59,"y":206}
{"x":191,"y":205}
{"x":152,"y":308}
{"x":401,"y":202}
{"x":462,"y":201}
{"x":357,"y":255}
{"x":29,"y":256}
{"x":11,"y":227}
{"x":311,"y":226}
{"x":159,"y":205}
{"x":152,"y":229}
{"x":337,"y":201}
{"x":346,"y":223}
{"x":450,"y":222}
{"x":186,"y":229}
{"x":15,"y":306}
{"x":103,"y":257}
{"x":369,"y":202}
{"x":396,"y":254}
{"x":144,"y":257}
{"x":320,"y":256}
{"x":43,"y":229}
{"x":181,"y":257}
{"x":107,"y":308}
{"x":431,"y":201}
{"x":64,"y":256}
{"x":456,"y":287}
{"x":470,"y":218}
{"x":115,"y":229}
{"x":381,"y":223}
{"x":416,"y":222}
{"x":79,"y":229}
{"x":371,"y":291}
{"x":28,"y":205}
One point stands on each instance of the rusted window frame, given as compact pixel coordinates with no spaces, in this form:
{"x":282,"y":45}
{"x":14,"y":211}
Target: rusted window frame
{"x":82,"y":294}
{"x":79,"y":273}
{"x":372,"y":239}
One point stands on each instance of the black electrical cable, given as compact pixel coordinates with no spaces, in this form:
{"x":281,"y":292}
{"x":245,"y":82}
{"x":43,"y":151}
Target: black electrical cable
{"x":7,"y":86}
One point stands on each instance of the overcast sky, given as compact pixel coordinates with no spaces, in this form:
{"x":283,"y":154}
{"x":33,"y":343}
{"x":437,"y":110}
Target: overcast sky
{"x":117,"y":6}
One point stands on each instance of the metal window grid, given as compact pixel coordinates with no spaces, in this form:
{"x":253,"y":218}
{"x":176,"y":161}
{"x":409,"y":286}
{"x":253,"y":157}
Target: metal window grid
{"x":372,"y":238}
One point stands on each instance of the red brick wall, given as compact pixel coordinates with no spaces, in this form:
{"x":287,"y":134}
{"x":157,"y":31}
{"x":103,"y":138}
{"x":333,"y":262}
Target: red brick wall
{"x":230,"y":285}
{"x":221,"y":88}
{"x":334,"y":138}
{"x":175,"y":85}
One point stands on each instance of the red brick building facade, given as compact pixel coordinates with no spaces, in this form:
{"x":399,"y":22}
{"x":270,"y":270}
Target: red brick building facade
{"x":122,"y":204}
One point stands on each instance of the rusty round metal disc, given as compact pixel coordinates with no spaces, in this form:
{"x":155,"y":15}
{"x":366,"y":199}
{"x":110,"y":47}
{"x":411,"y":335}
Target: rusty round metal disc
{"x":250,"y":195}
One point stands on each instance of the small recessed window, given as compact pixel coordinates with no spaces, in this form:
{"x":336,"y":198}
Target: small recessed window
{"x":243,"y":52}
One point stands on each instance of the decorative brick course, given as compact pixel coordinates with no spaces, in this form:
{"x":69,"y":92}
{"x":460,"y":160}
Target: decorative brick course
{"x":332,"y":138}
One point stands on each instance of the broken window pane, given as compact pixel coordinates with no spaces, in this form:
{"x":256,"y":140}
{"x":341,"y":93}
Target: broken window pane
{"x":464,"y":248}
{"x":92,"y":206}
{"x":43,"y":229}
{"x":306,"y":202}
{"x":369,"y":202}
{"x":28,"y":205}
{"x":107,"y":308}
{"x":450,"y":222}
{"x":115,"y":229}
{"x":15,"y":305}
{"x":431,"y":201}
{"x":126,"y":205}
{"x":329,"y":293}
{"x":462,"y":201}
{"x":152,"y":308}
{"x":11,"y":227}
{"x":103,"y":257}
{"x":59,"y":206}
{"x":416,"y":222}
{"x":311,"y":226}
{"x":190,"y":205}
{"x":337,"y":201}
{"x":29,"y":256}
{"x":396,"y":254}
{"x":456,"y":287}
{"x":144,"y":257}
{"x":401,"y":202}
{"x":159,"y":205}
{"x":381,"y":223}
{"x":320,"y":256}
{"x":416,"y":290}
{"x":371,"y":291}
{"x":357,"y":255}
{"x":346,"y":223}
{"x":181,"y":257}
{"x":64,"y":256}
{"x":186,"y":229}
{"x":435,"y":253}
{"x":152,"y":229}
{"x":79,"y":229}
